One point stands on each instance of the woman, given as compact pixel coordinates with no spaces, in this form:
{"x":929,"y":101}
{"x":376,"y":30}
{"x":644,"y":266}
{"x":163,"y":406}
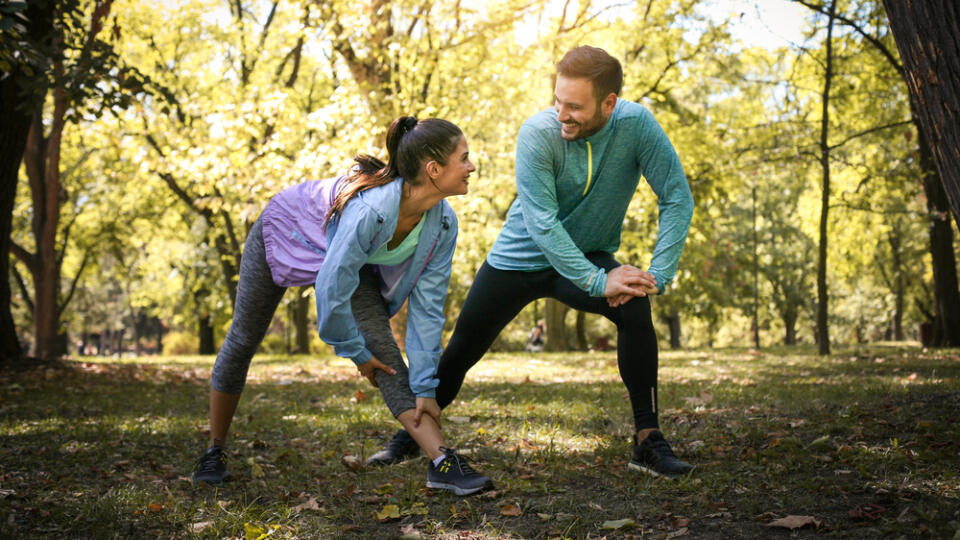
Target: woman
{"x":368,"y":241}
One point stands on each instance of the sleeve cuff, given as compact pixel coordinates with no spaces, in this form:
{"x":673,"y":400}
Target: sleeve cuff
{"x":599,"y":283}
{"x":363,"y":357}
{"x":431,"y":393}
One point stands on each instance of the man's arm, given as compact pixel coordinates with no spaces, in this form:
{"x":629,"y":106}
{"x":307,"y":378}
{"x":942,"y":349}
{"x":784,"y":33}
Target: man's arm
{"x":661,"y":167}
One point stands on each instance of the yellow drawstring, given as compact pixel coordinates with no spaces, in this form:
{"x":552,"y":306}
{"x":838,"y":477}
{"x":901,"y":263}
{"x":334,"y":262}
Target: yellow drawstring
{"x":589,"y":166}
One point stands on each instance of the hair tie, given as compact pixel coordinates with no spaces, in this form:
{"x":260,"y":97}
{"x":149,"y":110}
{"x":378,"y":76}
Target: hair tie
{"x":408,"y":123}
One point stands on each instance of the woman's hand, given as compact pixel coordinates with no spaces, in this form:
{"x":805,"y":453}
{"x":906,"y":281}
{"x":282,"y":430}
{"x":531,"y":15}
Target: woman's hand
{"x":366,"y":369}
{"x":429,"y":407}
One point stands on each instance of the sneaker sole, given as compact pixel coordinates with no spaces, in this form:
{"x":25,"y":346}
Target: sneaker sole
{"x":214,"y":484}
{"x":456,"y":489}
{"x":653,"y":473}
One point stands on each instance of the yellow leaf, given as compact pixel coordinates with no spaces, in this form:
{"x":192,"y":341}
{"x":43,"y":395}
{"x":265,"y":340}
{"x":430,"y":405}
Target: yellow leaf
{"x":387,"y":513}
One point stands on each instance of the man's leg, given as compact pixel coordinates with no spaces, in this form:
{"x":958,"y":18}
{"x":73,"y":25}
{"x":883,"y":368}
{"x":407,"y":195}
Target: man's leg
{"x":637,"y":359}
{"x":493,"y":300}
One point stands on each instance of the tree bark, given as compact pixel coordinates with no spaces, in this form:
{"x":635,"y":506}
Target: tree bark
{"x":823,"y":330}
{"x":673,"y":320}
{"x":555,"y":312}
{"x":19,"y":100}
{"x":946,"y":292}
{"x":582,"y":331}
{"x":926,"y":36}
{"x":17,"y":116}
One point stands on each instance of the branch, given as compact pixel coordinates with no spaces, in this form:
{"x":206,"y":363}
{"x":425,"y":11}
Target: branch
{"x":873,"y":41}
{"x":868,"y":131}
{"x":27,"y":258}
{"x":23,"y":287}
{"x":73,"y":285}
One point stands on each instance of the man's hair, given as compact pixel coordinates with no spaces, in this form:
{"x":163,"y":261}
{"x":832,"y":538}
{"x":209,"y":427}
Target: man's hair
{"x":594,"y":64}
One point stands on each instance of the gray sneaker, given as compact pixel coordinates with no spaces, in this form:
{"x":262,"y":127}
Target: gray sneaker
{"x":454,"y":474}
{"x":401,"y":447}
{"x":211,"y":468}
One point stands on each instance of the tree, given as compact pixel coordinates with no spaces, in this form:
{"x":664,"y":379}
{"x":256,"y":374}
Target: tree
{"x":926,"y":36}
{"x":24,"y":33}
{"x":946,"y":294}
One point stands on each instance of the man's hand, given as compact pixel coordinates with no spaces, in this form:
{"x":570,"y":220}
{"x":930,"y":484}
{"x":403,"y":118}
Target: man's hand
{"x":426,"y":406}
{"x":366,"y":369}
{"x":626,"y":281}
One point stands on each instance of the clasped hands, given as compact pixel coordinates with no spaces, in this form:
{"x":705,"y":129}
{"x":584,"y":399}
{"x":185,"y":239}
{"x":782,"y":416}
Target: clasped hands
{"x":426,"y":406}
{"x":626,"y":281}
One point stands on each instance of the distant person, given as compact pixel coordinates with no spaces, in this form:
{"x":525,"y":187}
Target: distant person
{"x":368,"y":241}
{"x":537,"y":337}
{"x":577,"y":167}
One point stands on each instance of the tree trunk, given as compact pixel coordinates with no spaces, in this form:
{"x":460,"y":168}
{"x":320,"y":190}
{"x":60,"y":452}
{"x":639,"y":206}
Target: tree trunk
{"x":13,"y":139}
{"x":205,"y":335}
{"x":582,"y":331}
{"x":790,"y":327}
{"x":300,"y":312}
{"x":555,"y":312}
{"x":823,"y":331}
{"x":946,"y":294}
{"x":673,"y":321}
{"x":926,"y":36}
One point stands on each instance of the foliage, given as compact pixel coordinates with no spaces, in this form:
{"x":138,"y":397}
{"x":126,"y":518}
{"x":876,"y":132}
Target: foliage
{"x":862,"y":441}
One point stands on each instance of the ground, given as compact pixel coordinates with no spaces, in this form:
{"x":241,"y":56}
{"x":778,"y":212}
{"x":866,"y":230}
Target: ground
{"x":860,"y":444}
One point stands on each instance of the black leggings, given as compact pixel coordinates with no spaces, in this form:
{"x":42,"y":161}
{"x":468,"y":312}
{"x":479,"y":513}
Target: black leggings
{"x":497,"y":296}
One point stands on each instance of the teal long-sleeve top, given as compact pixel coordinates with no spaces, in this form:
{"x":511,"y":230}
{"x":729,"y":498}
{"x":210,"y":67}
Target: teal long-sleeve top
{"x":572,"y":197}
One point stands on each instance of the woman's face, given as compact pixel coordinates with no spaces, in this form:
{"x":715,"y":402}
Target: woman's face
{"x":451,"y":179}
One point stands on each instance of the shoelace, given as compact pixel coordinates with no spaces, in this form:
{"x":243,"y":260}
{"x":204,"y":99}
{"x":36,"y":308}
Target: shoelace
{"x":209,"y":461}
{"x":662,"y":447}
{"x":464,"y":467}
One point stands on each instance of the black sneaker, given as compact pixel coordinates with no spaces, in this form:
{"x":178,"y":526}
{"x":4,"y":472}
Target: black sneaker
{"x":654,"y":456}
{"x":456,"y":475}
{"x":212,"y":467}
{"x":401,"y":447}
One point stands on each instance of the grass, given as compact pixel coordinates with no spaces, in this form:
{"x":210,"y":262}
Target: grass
{"x":864,"y":441}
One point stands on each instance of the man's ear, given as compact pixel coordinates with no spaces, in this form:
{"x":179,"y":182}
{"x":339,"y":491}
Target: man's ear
{"x":608,"y":104}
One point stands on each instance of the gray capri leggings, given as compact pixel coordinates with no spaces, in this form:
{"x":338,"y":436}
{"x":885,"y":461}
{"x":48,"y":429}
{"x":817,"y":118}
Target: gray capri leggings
{"x":257,"y":300}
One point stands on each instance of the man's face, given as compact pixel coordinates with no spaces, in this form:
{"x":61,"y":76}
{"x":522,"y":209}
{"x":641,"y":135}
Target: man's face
{"x":577,"y":109}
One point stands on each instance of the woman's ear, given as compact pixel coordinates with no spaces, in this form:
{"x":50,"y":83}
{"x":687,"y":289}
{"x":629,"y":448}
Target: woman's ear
{"x":432,"y":169}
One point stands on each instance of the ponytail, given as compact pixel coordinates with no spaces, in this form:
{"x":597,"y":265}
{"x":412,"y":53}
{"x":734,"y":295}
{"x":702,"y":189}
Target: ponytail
{"x":410,"y":144}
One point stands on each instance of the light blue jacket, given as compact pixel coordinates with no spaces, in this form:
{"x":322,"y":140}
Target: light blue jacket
{"x":368,"y":221}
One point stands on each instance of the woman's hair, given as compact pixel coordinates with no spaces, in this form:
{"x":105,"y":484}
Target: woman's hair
{"x":410,"y":144}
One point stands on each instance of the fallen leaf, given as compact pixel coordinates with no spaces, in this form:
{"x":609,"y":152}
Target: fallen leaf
{"x":358,"y":397}
{"x":545,"y":517}
{"x":155,"y":507}
{"x":794,"y":522}
{"x":253,"y":530}
{"x":417,"y":509}
{"x":310,"y":504}
{"x":256,"y":470}
{"x":387,"y":513}
{"x":385,"y":489}
{"x":617,"y":524}
{"x":511,"y":510}
{"x":678,"y":533}
{"x":458,"y":419}
{"x":200,"y":526}
{"x":351,"y":462}
{"x":409,"y":532}
{"x":867,"y":511}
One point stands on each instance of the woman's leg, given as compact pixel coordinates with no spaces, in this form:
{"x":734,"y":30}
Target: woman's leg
{"x":373,"y":322}
{"x":257,"y":300}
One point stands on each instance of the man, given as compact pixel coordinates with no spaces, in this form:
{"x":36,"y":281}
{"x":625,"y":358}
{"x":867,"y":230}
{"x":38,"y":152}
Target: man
{"x":578,"y":165}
